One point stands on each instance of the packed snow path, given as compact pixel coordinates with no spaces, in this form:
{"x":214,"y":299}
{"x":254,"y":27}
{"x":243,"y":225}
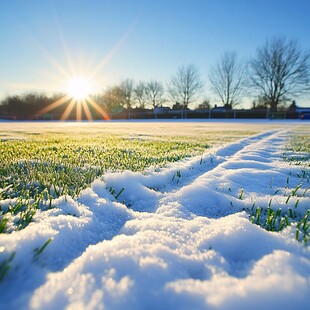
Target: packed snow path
{"x":175,"y":239}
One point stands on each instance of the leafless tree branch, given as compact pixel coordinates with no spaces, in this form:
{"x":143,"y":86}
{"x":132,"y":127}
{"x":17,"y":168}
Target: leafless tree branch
{"x":228,"y":79}
{"x":280,"y":71}
{"x":185,"y":85}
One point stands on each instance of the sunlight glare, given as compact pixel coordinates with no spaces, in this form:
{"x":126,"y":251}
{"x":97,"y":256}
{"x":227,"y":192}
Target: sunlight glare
{"x":79,"y":88}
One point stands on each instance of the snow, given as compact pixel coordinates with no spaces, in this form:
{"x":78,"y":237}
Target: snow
{"x":169,"y":242}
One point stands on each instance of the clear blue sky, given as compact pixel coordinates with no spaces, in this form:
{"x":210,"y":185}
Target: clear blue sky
{"x":43,"y":41}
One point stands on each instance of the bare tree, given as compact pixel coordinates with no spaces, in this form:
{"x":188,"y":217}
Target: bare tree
{"x":186,"y":85}
{"x":140,"y":95}
{"x":228,"y":79}
{"x":280,"y":71}
{"x":25,"y":106}
{"x":112,"y":99}
{"x":119,"y":96}
{"x":154,"y":92}
{"x":127,"y":87}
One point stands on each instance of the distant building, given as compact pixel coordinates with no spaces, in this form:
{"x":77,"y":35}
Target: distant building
{"x":161,"y":110}
{"x":219,"y":109}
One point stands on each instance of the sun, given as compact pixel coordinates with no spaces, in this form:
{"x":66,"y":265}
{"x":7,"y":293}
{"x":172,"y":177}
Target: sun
{"x":78,"y":98}
{"x":79,"y":88}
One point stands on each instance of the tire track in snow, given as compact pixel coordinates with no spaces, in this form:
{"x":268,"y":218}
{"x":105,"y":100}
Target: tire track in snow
{"x":245,"y":160}
{"x":228,"y":152}
{"x":147,"y":193}
{"x":179,"y":200}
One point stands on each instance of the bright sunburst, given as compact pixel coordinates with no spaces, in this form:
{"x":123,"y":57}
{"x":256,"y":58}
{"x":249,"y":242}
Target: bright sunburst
{"x":78,"y":98}
{"x":79,"y":88}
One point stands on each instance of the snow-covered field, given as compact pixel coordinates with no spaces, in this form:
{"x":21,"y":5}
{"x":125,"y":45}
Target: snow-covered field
{"x":179,"y":240}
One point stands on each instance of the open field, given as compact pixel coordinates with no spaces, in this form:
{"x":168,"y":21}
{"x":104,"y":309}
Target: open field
{"x":155,"y":214}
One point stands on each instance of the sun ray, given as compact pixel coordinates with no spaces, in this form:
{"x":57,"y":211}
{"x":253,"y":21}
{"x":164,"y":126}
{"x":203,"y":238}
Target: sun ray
{"x":86,"y":110}
{"x":113,"y":50}
{"x":78,"y":110}
{"x":78,"y":94}
{"x":68,"y":110}
{"x":103,"y":113}
{"x":72,"y":69}
{"x":81,"y":100}
{"x":54,"y":105}
{"x":45,"y":52}
{"x":65,"y":48}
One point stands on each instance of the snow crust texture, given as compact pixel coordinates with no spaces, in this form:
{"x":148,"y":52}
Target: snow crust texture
{"x":175,"y":239}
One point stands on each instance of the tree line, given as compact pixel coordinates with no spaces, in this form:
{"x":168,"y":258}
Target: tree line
{"x":277,"y":74}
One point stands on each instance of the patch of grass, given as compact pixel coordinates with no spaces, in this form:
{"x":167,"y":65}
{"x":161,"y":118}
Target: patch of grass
{"x":276,"y":219}
{"x":5,"y":266}
{"x":38,"y":251}
{"x":296,"y":153}
{"x":41,"y":167}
